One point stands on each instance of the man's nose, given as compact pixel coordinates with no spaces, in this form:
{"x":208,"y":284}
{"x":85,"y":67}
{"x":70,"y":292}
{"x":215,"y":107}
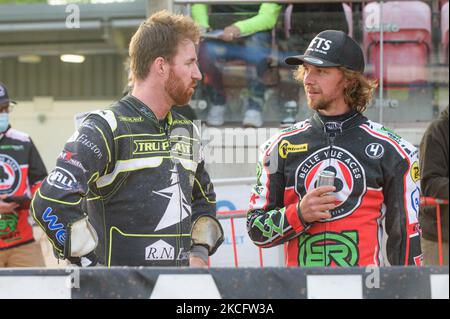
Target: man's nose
{"x":308,"y":79}
{"x":197,"y":75}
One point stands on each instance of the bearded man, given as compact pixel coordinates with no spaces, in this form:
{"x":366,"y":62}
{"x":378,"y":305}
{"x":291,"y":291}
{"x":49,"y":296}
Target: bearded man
{"x":130,"y":188}
{"x":328,"y":185}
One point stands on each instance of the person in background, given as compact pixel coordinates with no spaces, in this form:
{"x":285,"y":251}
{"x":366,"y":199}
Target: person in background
{"x":434,"y":159}
{"x":246,"y":36}
{"x":21,"y":173}
{"x":300,"y":24}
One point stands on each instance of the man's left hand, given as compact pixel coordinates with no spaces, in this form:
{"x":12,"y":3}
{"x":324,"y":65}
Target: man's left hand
{"x":197,"y":262}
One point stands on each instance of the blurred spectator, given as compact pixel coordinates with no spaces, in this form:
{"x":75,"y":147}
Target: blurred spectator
{"x":130,"y":82}
{"x":246,"y":36}
{"x":187,"y":111}
{"x":301,"y":22}
{"x":21,"y":173}
{"x":434,"y":183}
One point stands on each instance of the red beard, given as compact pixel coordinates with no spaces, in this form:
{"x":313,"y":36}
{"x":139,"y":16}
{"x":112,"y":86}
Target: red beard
{"x":180,"y":94}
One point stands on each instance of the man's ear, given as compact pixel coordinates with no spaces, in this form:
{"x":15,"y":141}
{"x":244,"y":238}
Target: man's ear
{"x":160,"y":66}
{"x":348,"y":82}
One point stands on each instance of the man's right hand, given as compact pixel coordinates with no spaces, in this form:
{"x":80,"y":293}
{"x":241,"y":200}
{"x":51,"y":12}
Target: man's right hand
{"x":6,"y":208}
{"x":316,"y":203}
{"x":90,"y":260}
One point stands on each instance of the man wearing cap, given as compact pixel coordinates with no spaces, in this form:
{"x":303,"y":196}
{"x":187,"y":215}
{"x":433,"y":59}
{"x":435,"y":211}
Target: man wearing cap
{"x":373,"y":173}
{"x":21,"y":173}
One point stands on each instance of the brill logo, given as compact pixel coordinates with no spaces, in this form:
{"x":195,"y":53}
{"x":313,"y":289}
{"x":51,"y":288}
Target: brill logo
{"x":61,"y":178}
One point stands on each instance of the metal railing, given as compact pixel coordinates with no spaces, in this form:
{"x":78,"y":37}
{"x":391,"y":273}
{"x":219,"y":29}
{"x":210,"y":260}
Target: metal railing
{"x":424,"y":201}
{"x":231,"y":215}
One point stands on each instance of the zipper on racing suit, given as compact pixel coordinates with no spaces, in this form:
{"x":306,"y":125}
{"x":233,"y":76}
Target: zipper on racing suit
{"x":331,"y":130}
{"x":165,"y":127}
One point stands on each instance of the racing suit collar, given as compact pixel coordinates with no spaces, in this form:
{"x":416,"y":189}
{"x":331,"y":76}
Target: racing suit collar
{"x":346,"y":120}
{"x":140,"y":107}
{"x":145,"y":110}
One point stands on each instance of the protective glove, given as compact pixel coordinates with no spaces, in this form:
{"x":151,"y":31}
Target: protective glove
{"x":207,"y":232}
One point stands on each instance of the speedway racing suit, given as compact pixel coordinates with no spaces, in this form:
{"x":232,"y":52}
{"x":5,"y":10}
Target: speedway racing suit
{"x":21,"y":173}
{"x":141,"y":182}
{"x":377,"y":180}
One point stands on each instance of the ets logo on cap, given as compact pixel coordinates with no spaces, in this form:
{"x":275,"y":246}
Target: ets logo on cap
{"x":320,"y":44}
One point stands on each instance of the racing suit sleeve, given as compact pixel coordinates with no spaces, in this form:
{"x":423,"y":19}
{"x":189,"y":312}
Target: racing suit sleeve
{"x":269,"y":221}
{"x":36,"y":169}
{"x":203,"y":195}
{"x":203,"y":203}
{"x":401,"y":198}
{"x":57,"y":204}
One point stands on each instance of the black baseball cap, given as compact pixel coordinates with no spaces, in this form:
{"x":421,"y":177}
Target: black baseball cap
{"x":4,"y":95}
{"x":331,"y":48}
